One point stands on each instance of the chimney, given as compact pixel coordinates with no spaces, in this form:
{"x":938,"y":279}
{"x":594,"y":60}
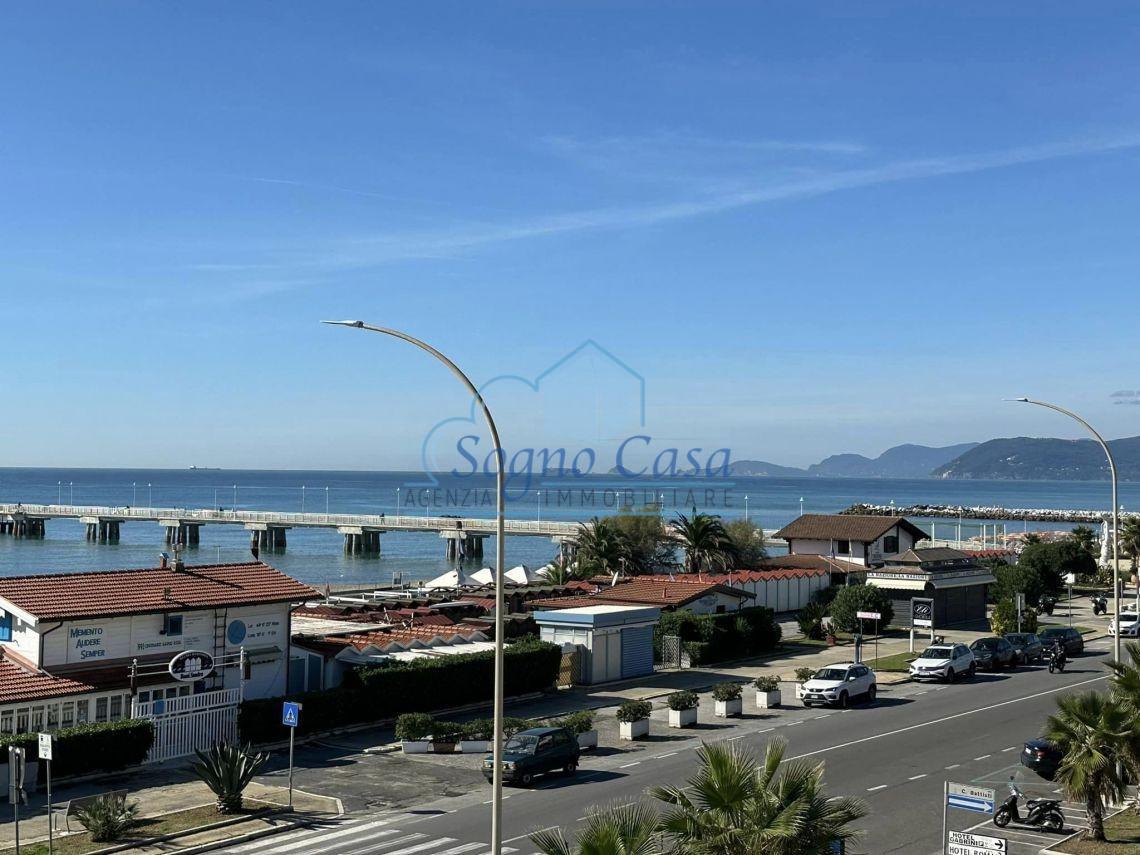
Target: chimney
{"x":179,"y":564}
{"x":163,"y":560}
{"x":166,"y":593}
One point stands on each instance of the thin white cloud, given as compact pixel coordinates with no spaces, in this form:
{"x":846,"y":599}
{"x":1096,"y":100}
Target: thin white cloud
{"x":409,"y":245}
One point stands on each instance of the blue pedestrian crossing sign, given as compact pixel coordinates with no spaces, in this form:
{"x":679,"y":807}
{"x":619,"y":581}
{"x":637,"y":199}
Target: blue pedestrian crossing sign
{"x":291,"y":714}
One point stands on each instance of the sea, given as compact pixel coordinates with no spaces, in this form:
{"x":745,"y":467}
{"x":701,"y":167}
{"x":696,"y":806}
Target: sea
{"x":316,"y":555}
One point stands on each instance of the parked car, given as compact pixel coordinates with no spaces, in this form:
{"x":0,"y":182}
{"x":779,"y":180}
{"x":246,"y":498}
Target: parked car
{"x":1041,"y":757}
{"x":1128,"y":623}
{"x":1026,"y":645}
{"x":534,"y":752}
{"x":943,"y":662}
{"x":993,"y":653}
{"x":837,"y":685}
{"x":1068,"y":636}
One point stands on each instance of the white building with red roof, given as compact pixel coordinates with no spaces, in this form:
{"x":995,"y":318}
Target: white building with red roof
{"x":68,"y":641}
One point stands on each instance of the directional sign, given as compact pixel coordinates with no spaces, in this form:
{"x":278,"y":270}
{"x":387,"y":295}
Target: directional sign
{"x":869,"y":615}
{"x":964,"y":843}
{"x":45,"y":746}
{"x":291,"y":714}
{"x":971,"y":798}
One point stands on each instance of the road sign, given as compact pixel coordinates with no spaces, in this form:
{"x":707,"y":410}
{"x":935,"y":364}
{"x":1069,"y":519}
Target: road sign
{"x":869,"y":615}
{"x":921,"y":612}
{"x":969,"y":844}
{"x":45,"y":746}
{"x":969,"y":797}
{"x":291,"y":714}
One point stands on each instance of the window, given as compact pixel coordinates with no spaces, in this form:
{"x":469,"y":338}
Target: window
{"x":843,"y":547}
{"x":81,"y":709}
{"x":6,"y":721}
{"x":53,"y":716}
{"x":101,"y":709}
{"x":891,"y":543}
{"x":22,"y":720}
{"x":116,"y":707}
{"x":172,"y":624}
{"x":67,"y":715}
{"x":5,"y":626}
{"x":143,"y":697}
{"x":37,"y":719}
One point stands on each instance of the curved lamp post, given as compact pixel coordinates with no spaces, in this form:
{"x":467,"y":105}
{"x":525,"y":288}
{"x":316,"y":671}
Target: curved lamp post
{"x":1115,"y":517}
{"x":500,"y":492}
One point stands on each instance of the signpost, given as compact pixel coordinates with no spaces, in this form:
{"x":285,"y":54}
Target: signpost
{"x":971,"y":798}
{"x":1019,"y":602}
{"x":921,"y":614}
{"x":16,"y":793}
{"x":964,"y":843}
{"x":45,"y":752}
{"x":291,"y":717}
{"x":876,"y":617}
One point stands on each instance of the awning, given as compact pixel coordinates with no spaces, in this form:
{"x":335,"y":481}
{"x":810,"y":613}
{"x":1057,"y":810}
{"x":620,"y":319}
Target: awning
{"x":261,"y":655}
{"x":898,"y":584}
{"x":963,"y":582}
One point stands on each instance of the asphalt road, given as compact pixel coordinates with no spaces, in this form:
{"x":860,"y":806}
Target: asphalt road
{"x":896,"y":755}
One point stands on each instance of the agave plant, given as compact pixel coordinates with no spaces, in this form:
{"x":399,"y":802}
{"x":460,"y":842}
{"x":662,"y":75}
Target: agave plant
{"x":108,"y":818}
{"x":227,"y":768}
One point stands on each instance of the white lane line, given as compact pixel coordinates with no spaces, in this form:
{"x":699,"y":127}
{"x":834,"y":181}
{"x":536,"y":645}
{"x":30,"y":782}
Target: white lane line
{"x":526,"y":836}
{"x":766,"y":730}
{"x":734,"y":738}
{"x":944,"y":719}
{"x":879,"y":787}
{"x":923,"y":692}
{"x":662,"y":756}
{"x":626,"y":766}
{"x":793,"y":723}
{"x":1011,"y":748}
{"x":952,"y":766}
{"x":916,"y":777}
{"x":983,"y":757}
{"x":825,"y":715}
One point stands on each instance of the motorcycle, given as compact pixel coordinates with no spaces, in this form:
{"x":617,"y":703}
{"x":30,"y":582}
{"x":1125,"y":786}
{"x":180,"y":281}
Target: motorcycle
{"x":1047,"y":604}
{"x":1057,"y":658}
{"x":1100,"y":604}
{"x":1043,"y":813}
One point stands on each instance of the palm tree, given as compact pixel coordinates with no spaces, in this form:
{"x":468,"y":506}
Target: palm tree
{"x":1125,"y":687}
{"x":601,"y":547}
{"x":736,"y":806}
{"x":1130,"y":540}
{"x":706,"y":544}
{"x":1086,"y":539}
{"x":1095,"y":733}
{"x":625,"y":830}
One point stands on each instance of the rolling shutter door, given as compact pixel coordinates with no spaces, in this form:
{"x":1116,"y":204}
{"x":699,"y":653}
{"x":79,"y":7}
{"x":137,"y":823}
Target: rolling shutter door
{"x":636,"y":651}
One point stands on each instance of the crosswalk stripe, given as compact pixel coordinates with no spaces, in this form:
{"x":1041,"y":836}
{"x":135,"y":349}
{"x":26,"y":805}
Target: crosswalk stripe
{"x":408,"y":850}
{"x":310,"y":849}
{"x":465,"y":847}
{"x":311,"y":840}
{"x":307,"y":834}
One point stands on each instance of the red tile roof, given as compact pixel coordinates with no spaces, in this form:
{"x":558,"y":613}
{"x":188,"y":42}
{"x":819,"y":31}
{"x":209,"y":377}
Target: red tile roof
{"x":123,"y":592}
{"x":811,"y":562}
{"x":662,"y":591}
{"x":19,"y":683}
{"x":743,"y":576}
{"x":862,"y":528}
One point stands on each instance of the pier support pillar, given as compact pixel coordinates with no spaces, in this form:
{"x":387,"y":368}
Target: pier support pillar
{"x":266,"y":536}
{"x":359,"y":540}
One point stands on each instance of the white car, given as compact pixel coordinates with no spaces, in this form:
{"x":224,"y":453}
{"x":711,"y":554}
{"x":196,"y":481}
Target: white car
{"x":837,"y":685}
{"x":944,"y":662}
{"x":1129,"y":626}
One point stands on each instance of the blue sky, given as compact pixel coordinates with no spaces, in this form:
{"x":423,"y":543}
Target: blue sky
{"x":808,"y":230}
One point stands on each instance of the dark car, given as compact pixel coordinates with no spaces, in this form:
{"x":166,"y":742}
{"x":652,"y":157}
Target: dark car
{"x":1068,"y":636}
{"x":993,"y":653}
{"x":1041,"y":757}
{"x":534,"y":752}
{"x":1026,"y":645}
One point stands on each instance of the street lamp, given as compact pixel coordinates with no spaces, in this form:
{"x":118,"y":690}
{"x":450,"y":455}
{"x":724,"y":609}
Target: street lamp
{"x":1115,"y":512}
{"x":134,"y":493}
{"x":302,"y":498}
{"x":326,"y":501}
{"x":540,"y":505}
{"x":500,"y":536}
{"x":149,"y":497}
{"x":397,"y":503}
{"x":746,"y":507}
{"x":801,"y":506}
{"x":59,"y":498}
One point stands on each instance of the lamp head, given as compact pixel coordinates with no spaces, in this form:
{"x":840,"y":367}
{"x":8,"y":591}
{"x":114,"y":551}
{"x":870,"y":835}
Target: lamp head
{"x":357,"y":324}
{"x":1017,"y":400}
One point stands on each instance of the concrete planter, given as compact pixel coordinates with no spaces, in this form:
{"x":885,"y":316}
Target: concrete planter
{"x":729,"y":709}
{"x":419,"y":746}
{"x":682,"y":718}
{"x":767,"y":700}
{"x":630,"y":730}
{"x":474,"y":746}
{"x":444,"y":747}
{"x":588,"y":739}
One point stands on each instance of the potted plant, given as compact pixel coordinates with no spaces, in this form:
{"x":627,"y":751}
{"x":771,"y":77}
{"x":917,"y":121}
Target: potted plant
{"x":633,"y":719}
{"x":729,"y":704}
{"x":767,"y":692}
{"x":414,"y":732}
{"x":581,"y":724}
{"x":476,"y":736}
{"x":445,"y":736}
{"x":682,"y":708}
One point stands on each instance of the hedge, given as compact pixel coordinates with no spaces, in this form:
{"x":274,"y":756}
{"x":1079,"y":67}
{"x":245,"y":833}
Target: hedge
{"x":92,"y":747}
{"x":714,"y":638}
{"x":380,"y":692}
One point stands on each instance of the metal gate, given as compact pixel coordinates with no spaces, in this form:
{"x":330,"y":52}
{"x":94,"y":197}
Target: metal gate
{"x":670,"y":651}
{"x":184,"y":725}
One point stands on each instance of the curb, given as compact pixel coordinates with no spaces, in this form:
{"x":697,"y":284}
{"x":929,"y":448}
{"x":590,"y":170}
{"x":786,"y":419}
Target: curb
{"x":241,"y":838}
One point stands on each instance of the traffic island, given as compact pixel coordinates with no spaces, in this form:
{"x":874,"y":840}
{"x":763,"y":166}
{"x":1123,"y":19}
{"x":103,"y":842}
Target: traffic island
{"x":1122,"y":831}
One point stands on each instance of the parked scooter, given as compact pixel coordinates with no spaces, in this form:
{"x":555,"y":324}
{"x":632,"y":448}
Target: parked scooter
{"x":1043,"y":813}
{"x":1058,"y":659}
{"x":1100,"y":604}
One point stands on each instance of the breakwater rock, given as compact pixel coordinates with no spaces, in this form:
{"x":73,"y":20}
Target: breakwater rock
{"x":982,"y":512}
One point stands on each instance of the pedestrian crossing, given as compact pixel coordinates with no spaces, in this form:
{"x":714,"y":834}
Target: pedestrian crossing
{"x":363,"y":837}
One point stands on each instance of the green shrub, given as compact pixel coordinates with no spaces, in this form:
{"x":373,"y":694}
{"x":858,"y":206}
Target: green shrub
{"x":727,"y":691}
{"x":1003,"y":619}
{"x":683,"y":700}
{"x":769,"y":684}
{"x":108,"y":818}
{"x":860,"y":598}
{"x":804,"y":674}
{"x":577,"y":722}
{"x":512,"y":725}
{"x":714,"y":638}
{"x":810,"y":620}
{"x":413,"y":727}
{"x":634,"y":711}
{"x":446,"y":731}
{"x":384,"y":691}
{"x":480,"y":728}
{"x":93,"y":747}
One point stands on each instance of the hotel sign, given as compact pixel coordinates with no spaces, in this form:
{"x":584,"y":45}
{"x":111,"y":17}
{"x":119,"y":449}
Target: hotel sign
{"x":191,"y":665}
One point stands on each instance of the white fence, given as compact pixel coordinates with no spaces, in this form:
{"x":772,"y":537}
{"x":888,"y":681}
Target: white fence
{"x":183,"y":725}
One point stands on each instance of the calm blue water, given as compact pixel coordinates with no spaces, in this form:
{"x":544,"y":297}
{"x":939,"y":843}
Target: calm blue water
{"x":316,"y":556}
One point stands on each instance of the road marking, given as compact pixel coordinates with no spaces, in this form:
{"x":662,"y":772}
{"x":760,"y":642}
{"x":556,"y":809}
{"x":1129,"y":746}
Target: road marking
{"x":879,"y":787}
{"x":662,"y":756}
{"x":825,"y":715}
{"x":766,"y":730}
{"x":916,"y":777}
{"x":983,"y":757}
{"x":405,"y":839}
{"x":952,"y":766}
{"x":420,"y":847}
{"x":536,"y":831}
{"x":944,"y":719}
{"x":464,"y":847}
{"x":734,"y":738}
{"x":1011,"y":748}
{"x":313,"y":840}
{"x":923,"y":692}
{"x":626,"y":766}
